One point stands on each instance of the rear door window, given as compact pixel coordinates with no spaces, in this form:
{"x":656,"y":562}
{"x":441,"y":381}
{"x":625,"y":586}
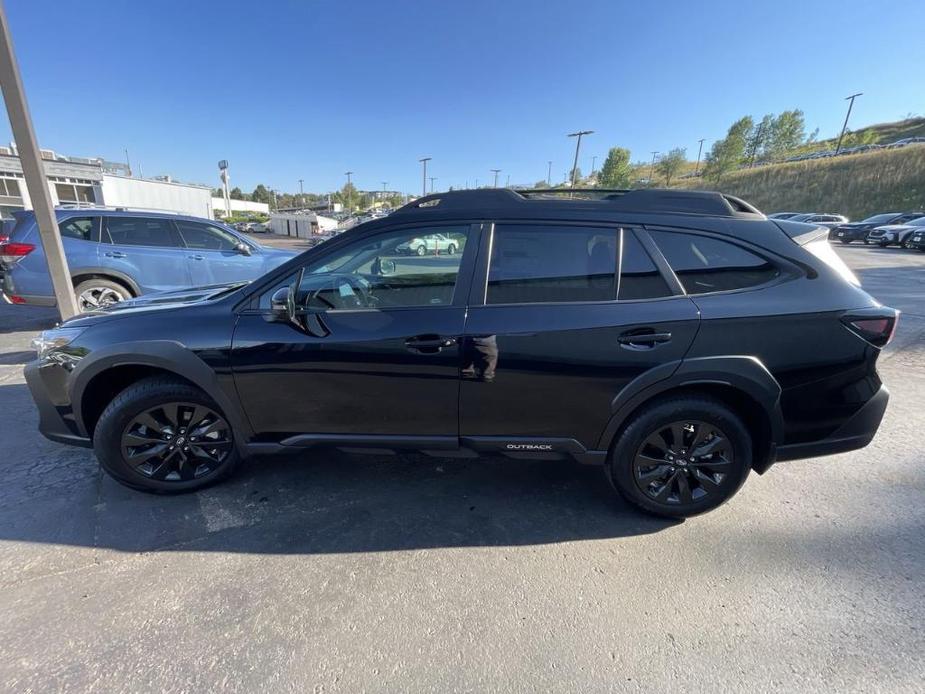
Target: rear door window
{"x":206,"y":237}
{"x":80,"y":228}
{"x":539,"y":264}
{"x":704,"y":264}
{"x":141,"y":231}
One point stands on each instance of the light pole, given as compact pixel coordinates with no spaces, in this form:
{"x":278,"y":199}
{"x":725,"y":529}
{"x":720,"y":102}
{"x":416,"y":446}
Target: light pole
{"x":301,"y":194}
{"x":476,"y":184}
{"x":223,"y":174}
{"x":593,"y":163}
{"x":432,"y":179}
{"x":850,"y":100}
{"x":348,"y":174}
{"x":579,"y":135}
{"x":424,"y":161}
{"x":699,"y":152}
{"x":495,"y":172}
{"x":652,"y":171}
{"x":549,"y":174}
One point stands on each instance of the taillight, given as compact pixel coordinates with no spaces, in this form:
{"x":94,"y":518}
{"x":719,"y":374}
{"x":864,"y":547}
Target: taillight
{"x":12,"y":252}
{"x":878,"y":330}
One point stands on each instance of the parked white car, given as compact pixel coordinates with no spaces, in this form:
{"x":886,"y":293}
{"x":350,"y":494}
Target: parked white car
{"x":432,"y":244}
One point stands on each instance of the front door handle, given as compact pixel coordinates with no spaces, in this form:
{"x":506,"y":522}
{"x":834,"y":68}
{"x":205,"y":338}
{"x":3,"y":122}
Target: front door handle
{"x":639,"y":339}
{"x":429,"y":344}
{"x":114,"y":254}
{"x":195,"y":257}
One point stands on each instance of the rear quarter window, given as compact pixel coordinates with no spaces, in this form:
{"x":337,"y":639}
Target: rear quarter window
{"x":704,"y":264}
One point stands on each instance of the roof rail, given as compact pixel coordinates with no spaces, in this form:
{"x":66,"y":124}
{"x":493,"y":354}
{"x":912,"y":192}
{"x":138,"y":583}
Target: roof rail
{"x":114,"y":208}
{"x":671,"y":200}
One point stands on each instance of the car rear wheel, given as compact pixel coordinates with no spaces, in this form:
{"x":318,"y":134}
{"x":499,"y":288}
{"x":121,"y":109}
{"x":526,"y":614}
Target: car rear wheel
{"x":846,"y":241}
{"x":98,"y":293}
{"x":164,"y":435}
{"x":421,"y":250}
{"x":681,"y":457}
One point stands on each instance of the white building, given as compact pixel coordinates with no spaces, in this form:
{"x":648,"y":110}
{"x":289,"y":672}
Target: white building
{"x":244,"y":206}
{"x":82,"y":181}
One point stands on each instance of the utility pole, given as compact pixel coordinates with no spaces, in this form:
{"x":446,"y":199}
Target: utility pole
{"x":348,"y":174}
{"x":34,"y":172}
{"x":476,"y":184}
{"x":652,"y":171}
{"x":508,"y":184}
{"x":495,"y":172}
{"x":424,"y":161}
{"x":549,"y":174}
{"x":128,"y":164}
{"x":223,"y":174}
{"x":579,"y":135}
{"x":593,"y":163}
{"x":699,"y":152}
{"x":432,"y":179}
{"x":850,"y":100}
{"x":384,"y":184}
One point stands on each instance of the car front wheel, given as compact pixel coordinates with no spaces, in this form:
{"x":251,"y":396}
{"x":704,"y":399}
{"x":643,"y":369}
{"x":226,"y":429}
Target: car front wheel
{"x":164,"y":435}
{"x":421,"y":250}
{"x":681,"y":457}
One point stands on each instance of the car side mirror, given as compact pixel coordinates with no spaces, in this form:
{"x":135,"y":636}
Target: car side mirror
{"x":280,"y":303}
{"x":243,"y":249}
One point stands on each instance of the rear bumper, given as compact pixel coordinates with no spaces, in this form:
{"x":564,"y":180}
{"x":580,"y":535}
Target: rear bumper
{"x":56,"y":416}
{"x":856,"y":433}
{"x":8,"y":291}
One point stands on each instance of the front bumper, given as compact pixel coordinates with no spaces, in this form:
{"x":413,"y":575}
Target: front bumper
{"x":48,"y":385}
{"x":856,"y":433}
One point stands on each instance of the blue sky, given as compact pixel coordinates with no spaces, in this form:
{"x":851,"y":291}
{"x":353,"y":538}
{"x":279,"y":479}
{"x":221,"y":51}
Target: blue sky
{"x":287,"y":90}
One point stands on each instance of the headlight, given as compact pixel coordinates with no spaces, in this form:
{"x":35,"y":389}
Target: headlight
{"x":55,"y":338}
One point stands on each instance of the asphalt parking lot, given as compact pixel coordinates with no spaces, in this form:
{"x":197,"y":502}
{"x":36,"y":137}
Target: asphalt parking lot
{"x":353,"y":573}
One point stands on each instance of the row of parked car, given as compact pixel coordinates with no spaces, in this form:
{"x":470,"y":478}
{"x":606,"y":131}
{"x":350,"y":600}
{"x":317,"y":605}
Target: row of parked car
{"x":903,"y":229}
{"x":822,"y":154}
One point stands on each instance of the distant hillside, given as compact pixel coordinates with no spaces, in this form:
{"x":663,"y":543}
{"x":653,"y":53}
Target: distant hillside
{"x":857,"y":185}
{"x":886,"y":132}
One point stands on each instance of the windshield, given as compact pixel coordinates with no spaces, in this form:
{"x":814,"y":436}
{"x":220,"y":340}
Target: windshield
{"x":917,"y":222}
{"x":879,"y":218}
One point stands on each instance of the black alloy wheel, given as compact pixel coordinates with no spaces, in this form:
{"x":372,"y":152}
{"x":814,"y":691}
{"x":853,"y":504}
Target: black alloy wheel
{"x":684,"y":462}
{"x":176,"y":442}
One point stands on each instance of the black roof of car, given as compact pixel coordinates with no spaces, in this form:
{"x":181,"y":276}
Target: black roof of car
{"x":537,"y":203}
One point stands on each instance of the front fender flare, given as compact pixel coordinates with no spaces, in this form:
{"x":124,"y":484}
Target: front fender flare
{"x":161,"y":354}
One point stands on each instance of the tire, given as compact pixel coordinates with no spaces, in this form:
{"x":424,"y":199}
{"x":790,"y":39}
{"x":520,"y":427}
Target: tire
{"x":883,"y":245}
{"x":907,"y":244}
{"x":451,"y":249}
{"x":97,"y":292}
{"x":420,"y":250}
{"x":846,"y":241}
{"x":184,"y":471}
{"x":711,"y":480}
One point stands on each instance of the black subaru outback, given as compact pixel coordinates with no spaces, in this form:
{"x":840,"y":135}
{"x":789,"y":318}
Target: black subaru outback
{"x":679,"y":339}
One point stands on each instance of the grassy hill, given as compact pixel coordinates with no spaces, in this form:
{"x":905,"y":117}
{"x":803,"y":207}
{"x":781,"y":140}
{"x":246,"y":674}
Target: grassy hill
{"x":856,"y":185}
{"x":885,"y":133}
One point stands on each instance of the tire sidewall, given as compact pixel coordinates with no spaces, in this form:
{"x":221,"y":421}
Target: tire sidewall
{"x":107,"y":436}
{"x":656,"y":416}
{"x":108,"y":284}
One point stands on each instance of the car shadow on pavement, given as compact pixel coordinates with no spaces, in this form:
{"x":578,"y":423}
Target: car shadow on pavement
{"x":319,"y":502}
{"x":9,"y":358}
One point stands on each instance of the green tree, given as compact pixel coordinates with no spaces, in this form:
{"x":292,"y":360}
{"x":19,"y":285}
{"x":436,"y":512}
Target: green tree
{"x":575,"y":175}
{"x":616,"y":171}
{"x":541,"y":184}
{"x":670,"y":165}
{"x":787,"y":133}
{"x":728,"y":153}
{"x":237,"y":194}
{"x":260,"y":194}
{"x":347,"y":196}
{"x":760,"y":138}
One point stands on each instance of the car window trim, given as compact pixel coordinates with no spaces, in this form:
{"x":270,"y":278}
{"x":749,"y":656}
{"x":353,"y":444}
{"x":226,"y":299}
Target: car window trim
{"x":94,"y":230}
{"x":249,"y":305}
{"x":170,"y":226}
{"x":478,"y":294}
{"x":787,"y":270}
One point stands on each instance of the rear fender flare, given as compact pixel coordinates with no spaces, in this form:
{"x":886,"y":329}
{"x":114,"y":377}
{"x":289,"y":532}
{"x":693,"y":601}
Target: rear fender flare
{"x":744,"y":373}
{"x":161,"y":354}
{"x":104,"y":272}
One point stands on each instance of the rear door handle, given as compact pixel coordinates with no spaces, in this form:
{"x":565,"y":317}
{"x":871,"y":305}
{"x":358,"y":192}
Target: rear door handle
{"x":195,"y":257}
{"x":643,"y":340}
{"x":429,"y":344}
{"x":114,"y":254}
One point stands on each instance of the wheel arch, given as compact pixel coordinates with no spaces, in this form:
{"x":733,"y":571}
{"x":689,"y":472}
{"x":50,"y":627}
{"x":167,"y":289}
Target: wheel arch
{"x":743,"y":383}
{"x":110,"y":370}
{"x":85,"y":273}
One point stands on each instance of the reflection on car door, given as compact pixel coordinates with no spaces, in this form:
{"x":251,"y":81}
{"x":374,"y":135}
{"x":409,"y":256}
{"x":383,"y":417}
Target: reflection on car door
{"x":548,"y":342}
{"x":147,"y":249}
{"x":213,"y":256}
{"x":385,"y":372}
